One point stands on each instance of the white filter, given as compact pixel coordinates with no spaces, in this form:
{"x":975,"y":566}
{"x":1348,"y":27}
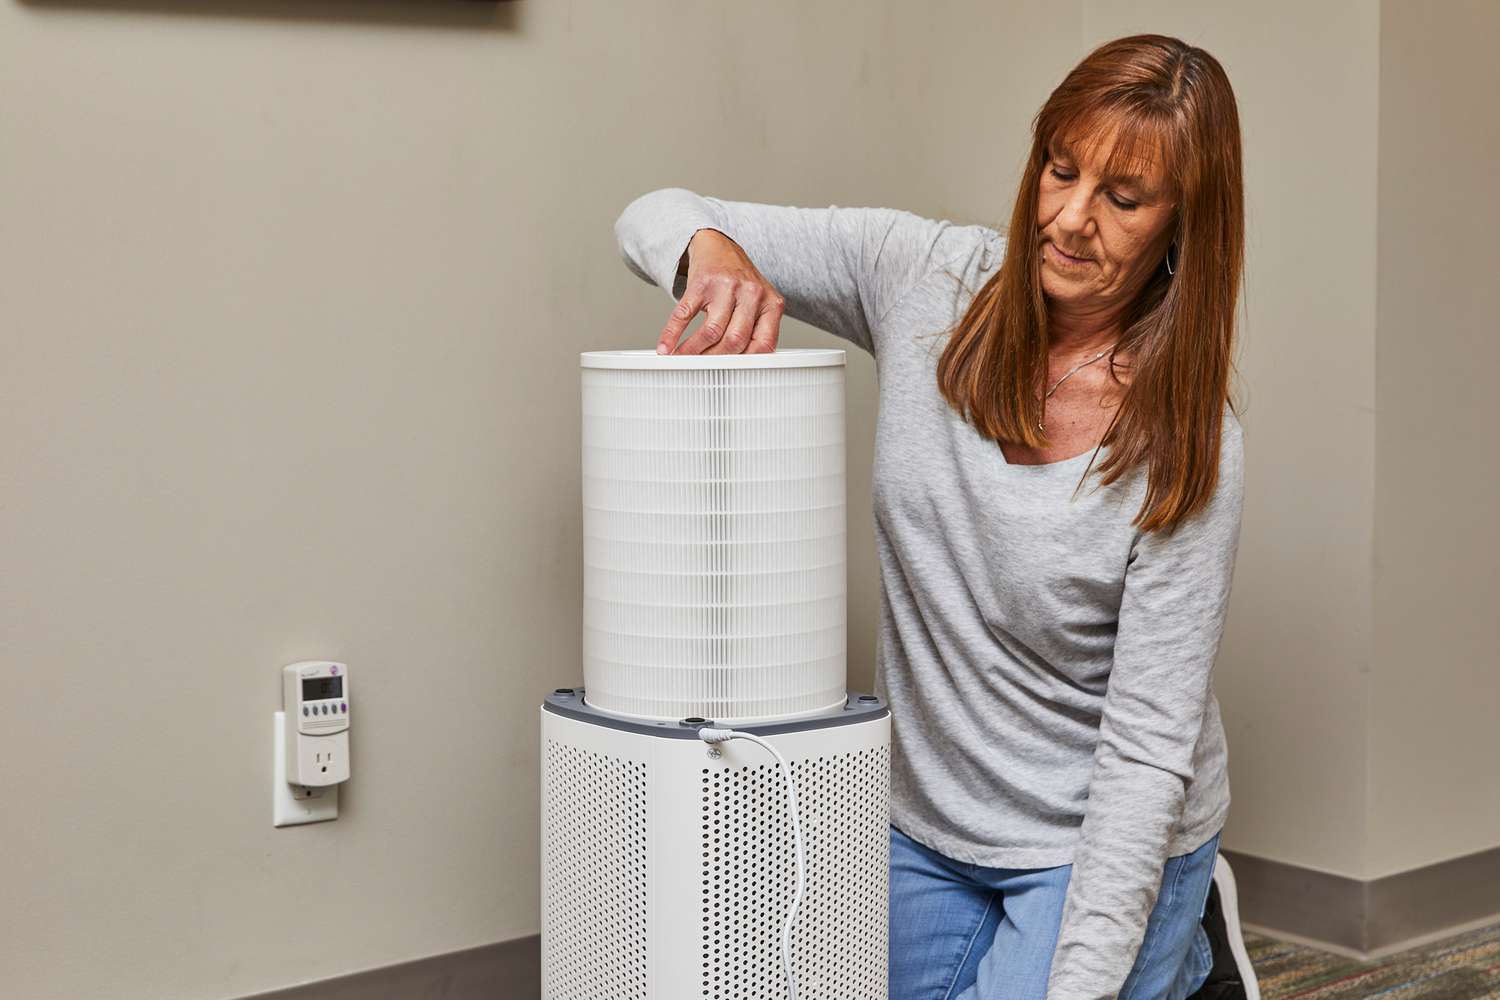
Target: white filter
{"x":714,"y":534}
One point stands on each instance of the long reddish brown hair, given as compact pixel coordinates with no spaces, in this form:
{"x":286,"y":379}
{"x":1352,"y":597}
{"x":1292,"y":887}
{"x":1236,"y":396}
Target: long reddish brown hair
{"x":1171,"y":102}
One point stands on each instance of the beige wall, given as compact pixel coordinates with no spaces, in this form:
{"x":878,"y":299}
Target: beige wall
{"x":1435,"y":686}
{"x":292,"y":308}
{"x":292,"y":293}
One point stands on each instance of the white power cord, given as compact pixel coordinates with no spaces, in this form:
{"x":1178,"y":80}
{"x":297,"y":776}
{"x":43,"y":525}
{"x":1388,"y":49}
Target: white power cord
{"x":710,"y":735}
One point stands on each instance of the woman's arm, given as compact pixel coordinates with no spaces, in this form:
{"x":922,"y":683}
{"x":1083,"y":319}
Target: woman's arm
{"x":1171,"y":619}
{"x":839,"y":269}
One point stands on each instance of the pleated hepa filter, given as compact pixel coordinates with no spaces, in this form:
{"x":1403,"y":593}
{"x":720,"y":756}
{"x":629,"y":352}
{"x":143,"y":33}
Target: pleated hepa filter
{"x":714,"y":534}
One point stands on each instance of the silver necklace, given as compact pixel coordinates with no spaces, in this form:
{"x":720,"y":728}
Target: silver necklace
{"x":1083,"y":364}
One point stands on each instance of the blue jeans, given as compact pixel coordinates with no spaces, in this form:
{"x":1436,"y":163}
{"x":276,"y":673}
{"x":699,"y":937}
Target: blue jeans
{"x":963,"y":932}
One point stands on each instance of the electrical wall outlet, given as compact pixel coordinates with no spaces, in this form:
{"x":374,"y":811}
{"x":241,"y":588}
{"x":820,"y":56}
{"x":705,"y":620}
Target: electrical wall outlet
{"x":291,"y":804}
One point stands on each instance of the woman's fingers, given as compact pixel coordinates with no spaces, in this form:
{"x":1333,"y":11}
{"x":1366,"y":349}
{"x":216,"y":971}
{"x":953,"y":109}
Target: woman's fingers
{"x":741,"y":310}
{"x":716,"y":318}
{"x":682,"y":314}
{"x":736,"y":339}
{"x":767,"y":326}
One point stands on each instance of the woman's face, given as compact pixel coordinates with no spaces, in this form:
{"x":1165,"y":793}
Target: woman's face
{"x":1118,"y":226}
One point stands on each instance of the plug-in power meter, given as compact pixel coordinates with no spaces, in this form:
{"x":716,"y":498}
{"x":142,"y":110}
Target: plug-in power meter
{"x":315,"y":697}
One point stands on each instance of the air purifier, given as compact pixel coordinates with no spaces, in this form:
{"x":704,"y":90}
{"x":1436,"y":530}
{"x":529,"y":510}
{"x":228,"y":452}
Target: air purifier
{"x":714,"y":801}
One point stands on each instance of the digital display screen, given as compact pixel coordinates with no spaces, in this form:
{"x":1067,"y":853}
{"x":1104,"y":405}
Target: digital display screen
{"x":314,"y":688}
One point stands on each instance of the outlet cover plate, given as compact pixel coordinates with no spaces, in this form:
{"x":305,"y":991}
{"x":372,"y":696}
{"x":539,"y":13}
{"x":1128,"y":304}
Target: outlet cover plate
{"x":293,"y":805}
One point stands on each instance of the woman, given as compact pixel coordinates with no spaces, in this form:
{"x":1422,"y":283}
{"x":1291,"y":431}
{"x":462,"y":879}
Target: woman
{"x":1059,"y":765}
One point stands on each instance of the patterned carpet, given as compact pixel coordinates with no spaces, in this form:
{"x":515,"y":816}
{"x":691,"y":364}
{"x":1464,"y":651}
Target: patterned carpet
{"x":1464,"y":967}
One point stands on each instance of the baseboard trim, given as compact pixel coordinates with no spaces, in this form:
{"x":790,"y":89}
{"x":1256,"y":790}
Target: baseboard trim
{"x":509,"y":968}
{"x":1367,"y":919}
{"x":1361,"y":920}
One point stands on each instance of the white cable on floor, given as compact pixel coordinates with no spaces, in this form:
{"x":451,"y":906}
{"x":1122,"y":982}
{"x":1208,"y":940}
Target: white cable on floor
{"x":710,"y":735}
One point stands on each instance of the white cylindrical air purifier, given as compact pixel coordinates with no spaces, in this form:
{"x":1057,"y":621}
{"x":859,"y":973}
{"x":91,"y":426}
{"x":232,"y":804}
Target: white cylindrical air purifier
{"x":715,"y":821}
{"x":714,"y":534}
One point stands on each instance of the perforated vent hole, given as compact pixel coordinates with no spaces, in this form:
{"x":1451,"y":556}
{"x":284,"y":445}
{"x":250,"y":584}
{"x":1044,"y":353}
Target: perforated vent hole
{"x":749,"y":878}
{"x":595,"y":878}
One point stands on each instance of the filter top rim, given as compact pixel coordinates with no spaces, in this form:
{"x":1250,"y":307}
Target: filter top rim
{"x":787,"y":357}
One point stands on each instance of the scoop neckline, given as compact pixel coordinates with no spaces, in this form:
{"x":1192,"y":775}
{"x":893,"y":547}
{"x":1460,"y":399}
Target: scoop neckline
{"x":1061,"y":462}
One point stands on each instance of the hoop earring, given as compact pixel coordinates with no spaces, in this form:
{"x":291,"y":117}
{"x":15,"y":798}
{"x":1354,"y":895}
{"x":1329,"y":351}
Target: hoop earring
{"x":1169,"y":258}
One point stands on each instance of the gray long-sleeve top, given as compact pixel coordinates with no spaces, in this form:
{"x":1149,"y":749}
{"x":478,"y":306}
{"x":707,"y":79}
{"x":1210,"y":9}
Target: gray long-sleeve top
{"x":1048,"y":666}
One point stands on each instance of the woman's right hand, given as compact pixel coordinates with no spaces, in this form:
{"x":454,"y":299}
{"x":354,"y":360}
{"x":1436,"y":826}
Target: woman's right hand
{"x":742,"y":311}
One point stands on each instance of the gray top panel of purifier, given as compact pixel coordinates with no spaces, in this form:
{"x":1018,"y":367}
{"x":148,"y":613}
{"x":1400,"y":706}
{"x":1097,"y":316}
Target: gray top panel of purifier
{"x":570,"y":702}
